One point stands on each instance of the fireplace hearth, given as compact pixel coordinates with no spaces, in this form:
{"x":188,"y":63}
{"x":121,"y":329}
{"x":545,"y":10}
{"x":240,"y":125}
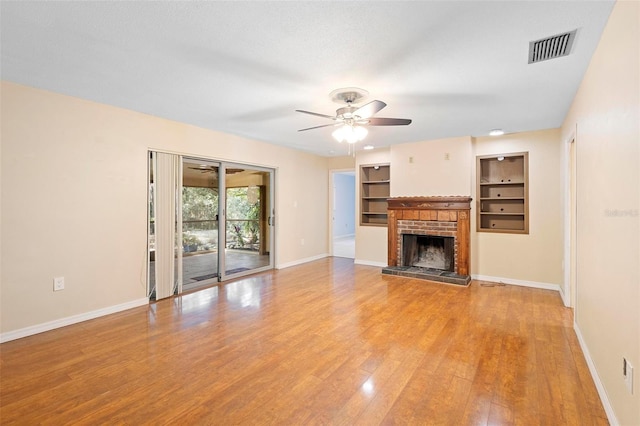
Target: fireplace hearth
{"x":429,"y":238}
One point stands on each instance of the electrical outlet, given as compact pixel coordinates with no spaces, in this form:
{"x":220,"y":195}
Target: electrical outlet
{"x":446,"y":156}
{"x":58,"y":283}
{"x":627,"y":372}
{"x":301,"y":241}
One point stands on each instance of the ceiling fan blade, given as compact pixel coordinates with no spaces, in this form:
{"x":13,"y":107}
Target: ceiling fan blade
{"x":331,"y":117}
{"x":379,"y":121}
{"x":317,"y":127}
{"x":367,"y":110}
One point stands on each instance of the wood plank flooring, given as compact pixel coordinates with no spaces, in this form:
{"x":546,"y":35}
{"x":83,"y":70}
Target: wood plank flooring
{"x":327,"y":342}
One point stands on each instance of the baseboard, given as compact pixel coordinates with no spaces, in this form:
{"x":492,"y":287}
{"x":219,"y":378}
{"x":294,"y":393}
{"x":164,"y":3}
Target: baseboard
{"x":62,"y":322}
{"x":369,"y":263}
{"x":523,"y":283}
{"x":565,"y":298}
{"x":301,"y":261}
{"x":608,"y":408}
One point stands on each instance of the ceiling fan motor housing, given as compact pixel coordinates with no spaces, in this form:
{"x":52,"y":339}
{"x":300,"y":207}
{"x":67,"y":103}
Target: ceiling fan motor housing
{"x":348,"y":95}
{"x":345,"y":112}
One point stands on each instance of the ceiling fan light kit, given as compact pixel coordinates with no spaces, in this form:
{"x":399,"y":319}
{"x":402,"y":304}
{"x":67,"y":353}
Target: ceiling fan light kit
{"x":351,"y":118}
{"x":350,"y":134}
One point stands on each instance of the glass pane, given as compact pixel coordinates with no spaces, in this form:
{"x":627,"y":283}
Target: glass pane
{"x":247,"y":220}
{"x":199,"y":223}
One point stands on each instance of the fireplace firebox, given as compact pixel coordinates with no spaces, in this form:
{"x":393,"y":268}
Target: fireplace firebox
{"x":427,"y":251}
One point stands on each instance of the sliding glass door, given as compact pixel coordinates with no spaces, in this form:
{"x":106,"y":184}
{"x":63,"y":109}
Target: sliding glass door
{"x":248,"y":219}
{"x":223,"y":222}
{"x":200,"y":227}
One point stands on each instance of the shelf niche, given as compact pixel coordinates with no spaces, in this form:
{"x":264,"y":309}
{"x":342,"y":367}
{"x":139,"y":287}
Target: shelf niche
{"x":503,"y":193}
{"x":374,"y":192}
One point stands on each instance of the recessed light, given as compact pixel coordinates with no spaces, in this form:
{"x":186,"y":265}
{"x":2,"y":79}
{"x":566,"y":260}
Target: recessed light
{"x":367,"y":147}
{"x":496,"y":132}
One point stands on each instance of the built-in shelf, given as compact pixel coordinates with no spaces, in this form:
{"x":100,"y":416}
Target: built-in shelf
{"x":374,"y":192}
{"x":502,"y":193}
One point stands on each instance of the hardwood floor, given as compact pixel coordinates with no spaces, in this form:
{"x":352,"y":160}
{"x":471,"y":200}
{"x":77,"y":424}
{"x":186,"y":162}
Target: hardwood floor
{"x":327,"y":342}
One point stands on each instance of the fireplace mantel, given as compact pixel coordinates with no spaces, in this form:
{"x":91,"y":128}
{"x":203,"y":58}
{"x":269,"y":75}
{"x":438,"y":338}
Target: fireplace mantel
{"x":429,"y":203}
{"x":450,"y":213}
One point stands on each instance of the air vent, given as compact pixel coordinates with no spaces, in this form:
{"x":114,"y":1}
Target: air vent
{"x":551,"y":47}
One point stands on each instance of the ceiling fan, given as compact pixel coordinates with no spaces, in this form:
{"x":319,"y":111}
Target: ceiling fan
{"x":352,"y":117}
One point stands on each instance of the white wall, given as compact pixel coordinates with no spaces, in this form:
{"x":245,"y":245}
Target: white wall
{"x":74,"y":190}
{"x":605,"y":117}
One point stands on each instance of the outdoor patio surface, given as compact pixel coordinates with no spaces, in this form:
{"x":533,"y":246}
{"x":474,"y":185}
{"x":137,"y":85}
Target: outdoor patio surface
{"x":206,"y":264}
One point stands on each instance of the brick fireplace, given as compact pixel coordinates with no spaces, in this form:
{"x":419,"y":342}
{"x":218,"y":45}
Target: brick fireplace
{"x":435,"y":220}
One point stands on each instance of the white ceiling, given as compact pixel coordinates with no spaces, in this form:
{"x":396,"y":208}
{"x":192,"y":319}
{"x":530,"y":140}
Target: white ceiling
{"x":242,"y":67}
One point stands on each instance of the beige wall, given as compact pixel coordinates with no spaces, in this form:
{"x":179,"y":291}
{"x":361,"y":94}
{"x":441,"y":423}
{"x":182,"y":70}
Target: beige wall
{"x":423,"y":176}
{"x":435,"y":167}
{"x":535,"y":257}
{"x":341,"y":163}
{"x":371,"y":241}
{"x":74,"y":203}
{"x":447,"y":167}
{"x":605,"y":118}
{"x":74,"y":200}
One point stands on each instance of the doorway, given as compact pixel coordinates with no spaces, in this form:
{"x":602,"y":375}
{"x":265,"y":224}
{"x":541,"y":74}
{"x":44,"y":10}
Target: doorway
{"x":223,"y":223}
{"x":343,"y":213}
{"x":248,"y":220}
{"x":200,"y":222}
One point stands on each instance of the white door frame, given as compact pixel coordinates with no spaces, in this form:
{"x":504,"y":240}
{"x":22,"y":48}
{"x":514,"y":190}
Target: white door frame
{"x":569,"y":156}
{"x":332,"y":198}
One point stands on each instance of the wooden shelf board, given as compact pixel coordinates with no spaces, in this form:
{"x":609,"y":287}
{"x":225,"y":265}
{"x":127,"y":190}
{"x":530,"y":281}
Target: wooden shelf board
{"x":504,"y":230}
{"x":374,"y":192}
{"x":500,"y":183}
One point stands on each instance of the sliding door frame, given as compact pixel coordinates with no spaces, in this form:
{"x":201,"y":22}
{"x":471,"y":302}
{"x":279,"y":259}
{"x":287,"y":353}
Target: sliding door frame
{"x":212,"y":163}
{"x":270,"y":221}
{"x":222,"y":216}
